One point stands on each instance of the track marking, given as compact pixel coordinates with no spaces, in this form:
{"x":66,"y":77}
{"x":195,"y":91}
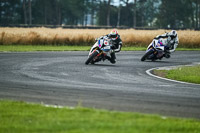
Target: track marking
{"x":58,"y":106}
{"x":149,"y":72}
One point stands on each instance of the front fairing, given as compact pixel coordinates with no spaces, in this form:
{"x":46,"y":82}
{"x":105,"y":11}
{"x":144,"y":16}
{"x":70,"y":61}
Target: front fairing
{"x":106,"y":49}
{"x":95,"y":46}
{"x":151,"y":56}
{"x":157,"y":46}
{"x":159,"y":54}
{"x":102,"y":45}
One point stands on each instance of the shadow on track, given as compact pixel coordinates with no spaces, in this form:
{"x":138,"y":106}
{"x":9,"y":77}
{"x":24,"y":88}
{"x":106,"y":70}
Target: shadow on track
{"x":108,"y":65}
{"x":161,"y":61}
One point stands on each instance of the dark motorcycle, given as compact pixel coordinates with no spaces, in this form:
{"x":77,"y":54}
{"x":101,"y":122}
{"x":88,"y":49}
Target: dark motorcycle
{"x":156,"y":50}
{"x":99,"y":51}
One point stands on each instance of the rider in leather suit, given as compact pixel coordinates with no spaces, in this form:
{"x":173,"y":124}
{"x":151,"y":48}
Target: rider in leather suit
{"x":172,"y":42}
{"x":116,"y":44}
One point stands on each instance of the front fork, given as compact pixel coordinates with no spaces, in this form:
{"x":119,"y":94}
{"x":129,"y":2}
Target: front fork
{"x":98,"y":55}
{"x":154,"y":51}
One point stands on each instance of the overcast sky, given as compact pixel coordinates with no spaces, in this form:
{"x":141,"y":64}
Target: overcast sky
{"x":116,"y":2}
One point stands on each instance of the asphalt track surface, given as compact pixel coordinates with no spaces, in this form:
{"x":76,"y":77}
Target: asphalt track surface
{"x":62,"y":78}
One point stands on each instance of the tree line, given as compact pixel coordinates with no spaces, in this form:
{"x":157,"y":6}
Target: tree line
{"x":130,"y":13}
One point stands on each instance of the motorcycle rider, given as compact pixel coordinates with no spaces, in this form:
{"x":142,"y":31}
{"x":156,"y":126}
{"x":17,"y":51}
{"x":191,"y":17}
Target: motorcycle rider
{"x":172,"y":42}
{"x":116,"y":44}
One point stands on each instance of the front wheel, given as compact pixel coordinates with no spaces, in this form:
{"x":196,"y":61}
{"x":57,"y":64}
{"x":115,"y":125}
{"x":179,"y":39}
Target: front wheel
{"x":91,"y":57}
{"x":146,"y":55}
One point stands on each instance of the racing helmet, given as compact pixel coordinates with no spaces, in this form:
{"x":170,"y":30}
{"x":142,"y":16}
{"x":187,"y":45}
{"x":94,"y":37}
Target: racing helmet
{"x":172,"y":33}
{"x":113,"y":34}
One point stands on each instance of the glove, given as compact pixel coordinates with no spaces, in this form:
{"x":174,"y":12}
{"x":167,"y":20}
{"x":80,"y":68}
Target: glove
{"x":113,"y":47}
{"x":166,"y":49}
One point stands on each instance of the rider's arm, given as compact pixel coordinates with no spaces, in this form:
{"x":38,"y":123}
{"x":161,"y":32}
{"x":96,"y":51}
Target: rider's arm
{"x":102,"y":37}
{"x":161,"y":36}
{"x":176,"y":40}
{"x":118,"y":49}
{"x":175,"y":45}
{"x":173,"y":48}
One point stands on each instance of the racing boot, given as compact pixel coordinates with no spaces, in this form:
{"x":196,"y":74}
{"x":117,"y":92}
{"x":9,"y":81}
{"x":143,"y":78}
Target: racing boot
{"x":107,"y":57}
{"x":167,"y":53}
{"x":113,"y":58}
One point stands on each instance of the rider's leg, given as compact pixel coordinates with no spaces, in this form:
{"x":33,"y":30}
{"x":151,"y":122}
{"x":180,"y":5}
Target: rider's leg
{"x":167,"y":53}
{"x":107,"y":57}
{"x":113,"y":57}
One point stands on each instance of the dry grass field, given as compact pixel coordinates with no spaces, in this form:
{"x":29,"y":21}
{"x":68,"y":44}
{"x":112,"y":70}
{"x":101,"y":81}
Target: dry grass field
{"x":59,"y":36}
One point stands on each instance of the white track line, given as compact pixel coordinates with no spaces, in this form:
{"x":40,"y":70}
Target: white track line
{"x":149,"y":73}
{"x":58,"y":106}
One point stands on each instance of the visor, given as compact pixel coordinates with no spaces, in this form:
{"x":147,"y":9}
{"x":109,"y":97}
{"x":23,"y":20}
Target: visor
{"x":113,"y":36}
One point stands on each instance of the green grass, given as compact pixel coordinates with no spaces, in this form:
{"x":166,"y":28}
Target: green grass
{"x":27,"y":48}
{"x":20,"y":117}
{"x":134,"y":48}
{"x":186,"y":74}
{"x":188,"y":49}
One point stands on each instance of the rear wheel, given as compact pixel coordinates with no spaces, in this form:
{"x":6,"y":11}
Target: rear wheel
{"x":146,"y":55}
{"x":91,"y":58}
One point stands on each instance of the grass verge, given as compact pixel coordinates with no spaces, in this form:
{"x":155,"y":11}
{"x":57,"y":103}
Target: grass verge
{"x":28,"y":48}
{"x":187,"y":74}
{"x":20,"y":117}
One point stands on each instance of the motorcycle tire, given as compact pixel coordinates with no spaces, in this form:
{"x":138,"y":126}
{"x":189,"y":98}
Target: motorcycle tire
{"x":91,"y":58}
{"x":146,"y":55}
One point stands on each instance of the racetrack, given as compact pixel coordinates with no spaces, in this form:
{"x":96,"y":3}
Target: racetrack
{"x":62,"y":78}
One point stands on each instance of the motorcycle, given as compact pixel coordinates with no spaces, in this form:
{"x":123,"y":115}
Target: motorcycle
{"x":156,"y":50}
{"x":99,"y":51}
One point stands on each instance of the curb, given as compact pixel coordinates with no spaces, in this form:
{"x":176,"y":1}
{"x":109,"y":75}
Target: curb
{"x":149,"y":72}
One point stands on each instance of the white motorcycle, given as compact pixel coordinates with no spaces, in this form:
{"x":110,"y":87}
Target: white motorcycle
{"x":99,"y":51}
{"x":156,"y":50}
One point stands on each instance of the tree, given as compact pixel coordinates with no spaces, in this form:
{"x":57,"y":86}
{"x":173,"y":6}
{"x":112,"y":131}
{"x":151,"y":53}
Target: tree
{"x":108,"y":13}
{"x":30,"y":12}
{"x":175,"y":14}
{"x":131,"y":13}
{"x":127,"y":11}
{"x":146,"y":12}
{"x":25,"y":12}
{"x":9,"y":12}
{"x":197,"y":13}
{"x":101,"y":13}
{"x":73,"y":11}
{"x":134,"y":15}
{"x":119,"y":14}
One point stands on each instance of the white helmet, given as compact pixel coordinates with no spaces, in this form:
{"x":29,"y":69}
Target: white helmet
{"x":172,"y":33}
{"x":113,"y":34}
